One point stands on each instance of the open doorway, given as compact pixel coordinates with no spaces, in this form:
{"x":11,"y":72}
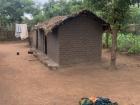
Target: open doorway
{"x":45,"y":44}
{"x":36,"y":39}
{"x":43,"y":41}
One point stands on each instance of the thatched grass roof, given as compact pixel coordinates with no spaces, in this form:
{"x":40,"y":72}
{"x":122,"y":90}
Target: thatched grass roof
{"x":57,"y":21}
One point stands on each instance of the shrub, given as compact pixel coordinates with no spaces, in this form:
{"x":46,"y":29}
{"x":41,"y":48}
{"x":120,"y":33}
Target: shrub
{"x":126,"y":43}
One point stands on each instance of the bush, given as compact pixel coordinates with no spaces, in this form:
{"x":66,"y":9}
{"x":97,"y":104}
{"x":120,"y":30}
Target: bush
{"x":126,"y":43}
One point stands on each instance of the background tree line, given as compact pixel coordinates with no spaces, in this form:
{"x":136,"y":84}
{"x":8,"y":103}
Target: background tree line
{"x":12,"y":11}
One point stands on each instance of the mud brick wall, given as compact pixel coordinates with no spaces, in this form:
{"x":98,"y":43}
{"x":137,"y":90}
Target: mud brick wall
{"x":32,"y":38}
{"x":53,"y":47}
{"x":80,"y":41}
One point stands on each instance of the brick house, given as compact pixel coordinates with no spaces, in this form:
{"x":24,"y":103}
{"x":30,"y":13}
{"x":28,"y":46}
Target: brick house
{"x":68,"y":40}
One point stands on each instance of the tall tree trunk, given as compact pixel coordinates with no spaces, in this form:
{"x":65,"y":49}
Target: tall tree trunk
{"x":114,"y":48}
{"x":106,"y":40}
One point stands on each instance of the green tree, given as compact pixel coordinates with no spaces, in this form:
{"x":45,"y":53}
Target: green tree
{"x":11,"y":11}
{"x":115,"y":13}
{"x":61,"y":7}
{"x":134,"y":15}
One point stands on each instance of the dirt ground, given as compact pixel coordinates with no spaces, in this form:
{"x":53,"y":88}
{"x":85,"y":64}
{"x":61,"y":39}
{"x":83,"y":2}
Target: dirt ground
{"x":25,"y":81}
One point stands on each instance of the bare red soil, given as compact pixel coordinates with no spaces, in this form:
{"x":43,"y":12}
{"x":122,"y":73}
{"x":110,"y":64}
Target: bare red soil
{"x":25,"y":81}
